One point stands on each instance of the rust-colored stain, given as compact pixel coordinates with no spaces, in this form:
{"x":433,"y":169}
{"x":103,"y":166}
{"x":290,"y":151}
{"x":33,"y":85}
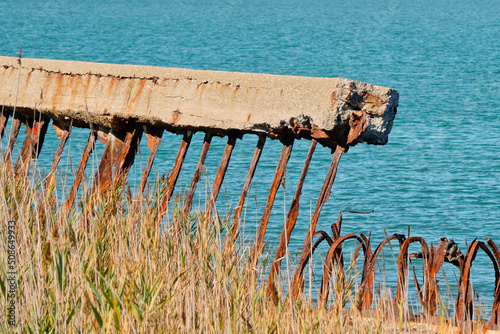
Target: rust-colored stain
{"x":223,"y":88}
{"x":69,"y":85}
{"x":175,"y":83}
{"x":111,"y":83}
{"x":28,"y":77}
{"x":26,"y":89}
{"x":201,"y":88}
{"x":58,"y":97}
{"x":134,"y":102}
{"x":176,"y":115}
{"x":248,"y":117}
{"x":148,"y":103}
{"x":236,"y":89}
{"x":372,"y":99}
{"x":333,"y":98}
{"x":77,"y":85}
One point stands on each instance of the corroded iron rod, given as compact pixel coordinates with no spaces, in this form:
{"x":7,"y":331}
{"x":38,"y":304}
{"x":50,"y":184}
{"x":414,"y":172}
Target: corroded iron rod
{"x":278,"y":176}
{"x":128,"y":153}
{"x":322,"y":198}
{"x":174,"y":174}
{"x":36,"y":129}
{"x":81,"y":169}
{"x":366,"y":286}
{"x":154,"y":138}
{"x":62,"y":132}
{"x":248,"y":180}
{"x":188,"y":202}
{"x":464,"y":304}
{"x":290,"y":221}
{"x":16,"y":126}
{"x":403,"y":267}
{"x":104,"y":173}
{"x":327,"y":268}
{"x":4,"y":117}
{"x":219,"y":177}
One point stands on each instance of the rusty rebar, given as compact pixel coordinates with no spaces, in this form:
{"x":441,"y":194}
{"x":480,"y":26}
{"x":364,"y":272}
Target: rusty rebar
{"x":188,"y":202}
{"x":248,"y":180}
{"x":219,"y":177}
{"x":62,"y":132}
{"x":290,"y":221}
{"x":16,"y":126}
{"x":365,"y":292}
{"x":104,"y":173}
{"x":154,"y":139}
{"x":278,"y":176}
{"x":322,"y":198}
{"x":331,"y":256}
{"x":464,"y":304}
{"x":4,"y":117}
{"x":174,"y":174}
{"x":36,"y":128}
{"x":128,"y":153}
{"x":403,"y":266}
{"x":81,"y":168}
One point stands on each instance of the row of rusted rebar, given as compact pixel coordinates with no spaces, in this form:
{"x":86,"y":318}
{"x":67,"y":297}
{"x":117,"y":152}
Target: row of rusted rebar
{"x":120,"y":148}
{"x":433,"y":259}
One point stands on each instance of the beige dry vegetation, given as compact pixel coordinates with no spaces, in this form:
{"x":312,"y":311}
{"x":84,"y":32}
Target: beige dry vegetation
{"x":107,"y":268}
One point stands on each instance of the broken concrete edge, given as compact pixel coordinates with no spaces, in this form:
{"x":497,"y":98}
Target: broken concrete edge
{"x":114,"y":96}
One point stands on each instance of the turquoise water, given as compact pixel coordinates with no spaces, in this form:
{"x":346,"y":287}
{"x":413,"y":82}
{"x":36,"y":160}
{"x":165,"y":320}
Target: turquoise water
{"x":440,"y":171}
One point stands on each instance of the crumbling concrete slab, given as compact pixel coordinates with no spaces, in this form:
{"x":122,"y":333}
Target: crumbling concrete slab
{"x":110,"y":95}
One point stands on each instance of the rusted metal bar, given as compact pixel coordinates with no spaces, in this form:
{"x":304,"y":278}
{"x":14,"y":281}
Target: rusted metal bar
{"x":219,"y":177}
{"x":403,"y":266}
{"x":429,"y":298}
{"x":365,"y":292}
{"x":104,"y":173}
{"x":322,"y":237}
{"x":323,"y":197}
{"x":327,"y":268}
{"x":494,"y":322}
{"x":188,"y":202}
{"x":16,"y":126}
{"x":81,"y":169}
{"x":36,"y":129}
{"x":278,"y":176}
{"x":62,"y":132}
{"x":248,"y":180}
{"x":290,"y":221}
{"x":4,"y":117}
{"x":358,"y":124}
{"x":174,"y":174}
{"x":368,"y":275}
{"x":154,"y":138}
{"x":336,"y":227}
{"x":128,"y":153}
{"x":464,"y":310}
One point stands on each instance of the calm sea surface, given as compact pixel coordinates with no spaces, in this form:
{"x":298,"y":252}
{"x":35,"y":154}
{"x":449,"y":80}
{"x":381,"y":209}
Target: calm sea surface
{"x":440,"y":171}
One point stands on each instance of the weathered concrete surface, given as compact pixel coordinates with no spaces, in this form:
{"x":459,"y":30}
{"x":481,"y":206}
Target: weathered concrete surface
{"x":177,"y":99}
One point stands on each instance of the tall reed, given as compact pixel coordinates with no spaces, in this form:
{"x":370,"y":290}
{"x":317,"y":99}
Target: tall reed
{"x":105,"y":267}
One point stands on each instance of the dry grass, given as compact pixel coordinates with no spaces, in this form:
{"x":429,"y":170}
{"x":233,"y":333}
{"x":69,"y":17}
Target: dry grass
{"x":108,"y":269}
